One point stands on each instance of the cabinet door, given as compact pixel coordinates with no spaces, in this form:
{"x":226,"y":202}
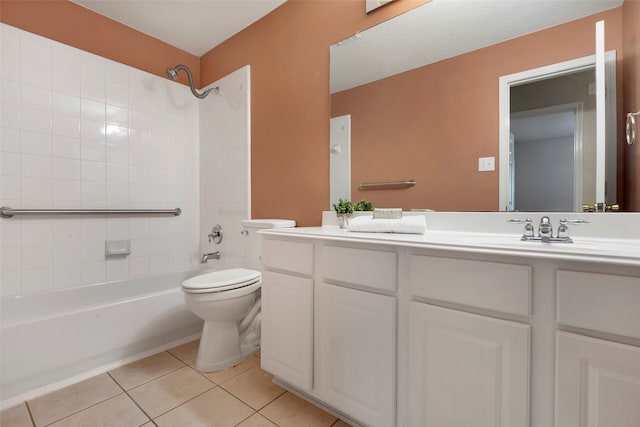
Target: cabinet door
{"x":356,"y":353}
{"x":597,"y":383}
{"x":466,"y":370}
{"x":287,"y":328}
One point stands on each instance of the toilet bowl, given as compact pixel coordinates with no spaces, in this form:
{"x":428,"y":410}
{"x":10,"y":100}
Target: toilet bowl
{"x":229,"y":303}
{"x":223,"y":299}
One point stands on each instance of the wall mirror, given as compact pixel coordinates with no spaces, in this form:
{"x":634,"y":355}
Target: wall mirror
{"x":417,"y":98}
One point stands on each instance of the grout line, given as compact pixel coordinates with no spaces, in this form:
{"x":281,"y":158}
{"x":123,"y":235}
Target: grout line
{"x":250,"y":415}
{"x":82,"y":410}
{"x":186,"y":401}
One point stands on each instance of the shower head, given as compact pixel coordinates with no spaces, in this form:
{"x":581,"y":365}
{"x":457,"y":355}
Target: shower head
{"x":172,"y":73}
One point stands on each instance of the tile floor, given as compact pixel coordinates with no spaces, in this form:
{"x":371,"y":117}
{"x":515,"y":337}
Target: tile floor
{"x":166,"y":390}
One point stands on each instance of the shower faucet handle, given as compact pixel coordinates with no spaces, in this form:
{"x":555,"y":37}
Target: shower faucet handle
{"x":216,"y":234}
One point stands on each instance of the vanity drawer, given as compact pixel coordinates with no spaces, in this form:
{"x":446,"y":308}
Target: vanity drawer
{"x":374,"y":269}
{"x":600,"y":302}
{"x":490,"y":285}
{"x":296,"y":257}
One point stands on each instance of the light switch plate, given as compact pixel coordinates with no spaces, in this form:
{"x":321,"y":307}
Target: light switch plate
{"x":486,"y":164}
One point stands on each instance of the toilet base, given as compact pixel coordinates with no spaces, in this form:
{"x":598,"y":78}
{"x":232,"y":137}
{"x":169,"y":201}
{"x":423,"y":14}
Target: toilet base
{"x":220,"y":347}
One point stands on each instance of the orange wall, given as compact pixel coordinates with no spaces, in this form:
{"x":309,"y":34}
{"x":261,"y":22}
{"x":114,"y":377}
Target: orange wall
{"x":288,"y":51}
{"x":76,"y":26}
{"x":433,"y":123}
{"x":631,"y":90}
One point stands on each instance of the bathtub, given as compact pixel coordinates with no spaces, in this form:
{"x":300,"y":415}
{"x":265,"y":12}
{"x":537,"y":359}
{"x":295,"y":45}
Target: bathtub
{"x":50,"y":337}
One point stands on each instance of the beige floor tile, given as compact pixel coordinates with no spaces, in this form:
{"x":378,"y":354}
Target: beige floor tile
{"x":340,"y":423}
{"x":186,"y":352}
{"x":290,"y":411}
{"x":144,"y":370}
{"x":167,"y":392}
{"x":69,"y":400}
{"x":253,"y":387}
{"x":119,"y":411}
{"x":256,"y":420}
{"x":16,"y":416}
{"x":219,"y":377}
{"x":213,"y":408}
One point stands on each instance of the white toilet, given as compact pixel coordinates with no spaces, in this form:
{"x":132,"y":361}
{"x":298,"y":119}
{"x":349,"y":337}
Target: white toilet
{"x":229,"y":303}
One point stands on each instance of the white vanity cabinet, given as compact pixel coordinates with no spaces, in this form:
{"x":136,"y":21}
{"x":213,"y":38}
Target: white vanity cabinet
{"x":356,"y":332}
{"x":287,"y":311}
{"x":597,"y":380}
{"x":464,"y":368}
{"x":401,"y":331}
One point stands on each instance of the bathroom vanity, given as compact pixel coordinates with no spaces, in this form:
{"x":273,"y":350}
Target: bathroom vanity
{"x":457,"y":328}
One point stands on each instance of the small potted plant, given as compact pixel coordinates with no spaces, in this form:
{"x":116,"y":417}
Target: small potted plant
{"x":363,"y":205}
{"x":344,"y":209}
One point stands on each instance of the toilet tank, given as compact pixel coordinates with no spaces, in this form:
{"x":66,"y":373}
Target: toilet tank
{"x":254,"y":240}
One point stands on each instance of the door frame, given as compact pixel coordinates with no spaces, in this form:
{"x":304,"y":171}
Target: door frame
{"x":544,"y":73}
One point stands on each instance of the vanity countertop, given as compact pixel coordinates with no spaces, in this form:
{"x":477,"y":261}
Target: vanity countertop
{"x":592,"y":249}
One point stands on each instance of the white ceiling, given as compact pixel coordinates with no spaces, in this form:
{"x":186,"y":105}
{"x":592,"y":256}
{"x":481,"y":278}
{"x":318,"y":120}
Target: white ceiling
{"x":195,"y":26}
{"x":443,"y":29}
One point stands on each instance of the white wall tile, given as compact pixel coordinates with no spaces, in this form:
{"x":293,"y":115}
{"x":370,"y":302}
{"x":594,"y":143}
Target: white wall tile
{"x":78,"y":130}
{"x":11,"y":282}
{"x":37,"y":143}
{"x":36,"y":257}
{"x":34,"y":74}
{"x":35,"y":48}
{"x":9,"y":139}
{"x":35,"y":120}
{"x":94,"y":272}
{"x":10,"y":116}
{"x":66,"y":104}
{"x":67,"y":276}
{"x":9,"y":164}
{"x":93,"y":171}
{"x":117,"y":268}
{"x":66,"y":125}
{"x":37,"y":280}
{"x":10,"y":41}
{"x":66,"y":147}
{"x":37,"y":166}
{"x":10,"y":92}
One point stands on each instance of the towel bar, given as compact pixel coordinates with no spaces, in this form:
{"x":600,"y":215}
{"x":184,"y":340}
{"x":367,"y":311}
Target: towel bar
{"x":373,"y":185}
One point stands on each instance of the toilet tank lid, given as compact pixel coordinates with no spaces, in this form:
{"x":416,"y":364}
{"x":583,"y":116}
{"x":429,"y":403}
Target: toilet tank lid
{"x":268,"y":223}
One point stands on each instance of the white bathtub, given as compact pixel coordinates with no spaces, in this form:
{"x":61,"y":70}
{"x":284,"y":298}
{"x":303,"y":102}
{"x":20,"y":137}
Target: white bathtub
{"x":47,"y":338}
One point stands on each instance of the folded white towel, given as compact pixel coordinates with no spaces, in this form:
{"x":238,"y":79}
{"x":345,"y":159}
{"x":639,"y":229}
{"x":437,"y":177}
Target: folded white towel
{"x":414,"y":224}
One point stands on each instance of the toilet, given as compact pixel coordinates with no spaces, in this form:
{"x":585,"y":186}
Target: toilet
{"x":229,"y":303}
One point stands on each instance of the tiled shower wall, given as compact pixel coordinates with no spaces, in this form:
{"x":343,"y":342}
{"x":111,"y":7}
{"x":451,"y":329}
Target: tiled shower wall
{"x":224,"y":166}
{"x":81,"y":131}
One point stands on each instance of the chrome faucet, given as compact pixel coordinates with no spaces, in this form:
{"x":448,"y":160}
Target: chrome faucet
{"x":211,"y":255}
{"x":545,"y":230}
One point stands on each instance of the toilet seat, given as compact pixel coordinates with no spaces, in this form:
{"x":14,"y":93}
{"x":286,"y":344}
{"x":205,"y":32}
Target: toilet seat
{"x":220,"y":281}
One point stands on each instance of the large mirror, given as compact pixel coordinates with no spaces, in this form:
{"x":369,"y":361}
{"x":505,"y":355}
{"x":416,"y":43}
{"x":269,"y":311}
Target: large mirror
{"x":415,"y":103}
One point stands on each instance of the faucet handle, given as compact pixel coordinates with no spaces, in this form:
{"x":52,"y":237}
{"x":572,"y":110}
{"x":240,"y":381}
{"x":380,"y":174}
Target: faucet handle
{"x":563,"y":230}
{"x":528,"y":226}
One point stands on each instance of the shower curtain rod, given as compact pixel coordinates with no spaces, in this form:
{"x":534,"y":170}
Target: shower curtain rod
{"x":7,"y":212}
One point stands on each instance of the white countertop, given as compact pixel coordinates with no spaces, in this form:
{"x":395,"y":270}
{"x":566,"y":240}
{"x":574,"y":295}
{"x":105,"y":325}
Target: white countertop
{"x":592,"y":249}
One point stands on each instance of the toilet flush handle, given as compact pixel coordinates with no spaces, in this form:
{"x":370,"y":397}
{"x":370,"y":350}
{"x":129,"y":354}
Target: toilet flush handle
{"x":216,"y":234}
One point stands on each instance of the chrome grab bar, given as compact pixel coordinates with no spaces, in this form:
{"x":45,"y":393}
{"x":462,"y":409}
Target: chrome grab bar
{"x":7,"y":212}
{"x":631,"y":129}
{"x":371,"y":185}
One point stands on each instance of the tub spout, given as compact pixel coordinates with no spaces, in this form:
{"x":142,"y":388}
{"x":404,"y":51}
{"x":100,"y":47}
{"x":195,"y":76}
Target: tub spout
{"x":211,"y":255}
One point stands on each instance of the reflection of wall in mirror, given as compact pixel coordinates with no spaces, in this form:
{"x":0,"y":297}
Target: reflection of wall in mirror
{"x":439,"y":119}
{"x":631,"y":88}
{"x":558,"y":91}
